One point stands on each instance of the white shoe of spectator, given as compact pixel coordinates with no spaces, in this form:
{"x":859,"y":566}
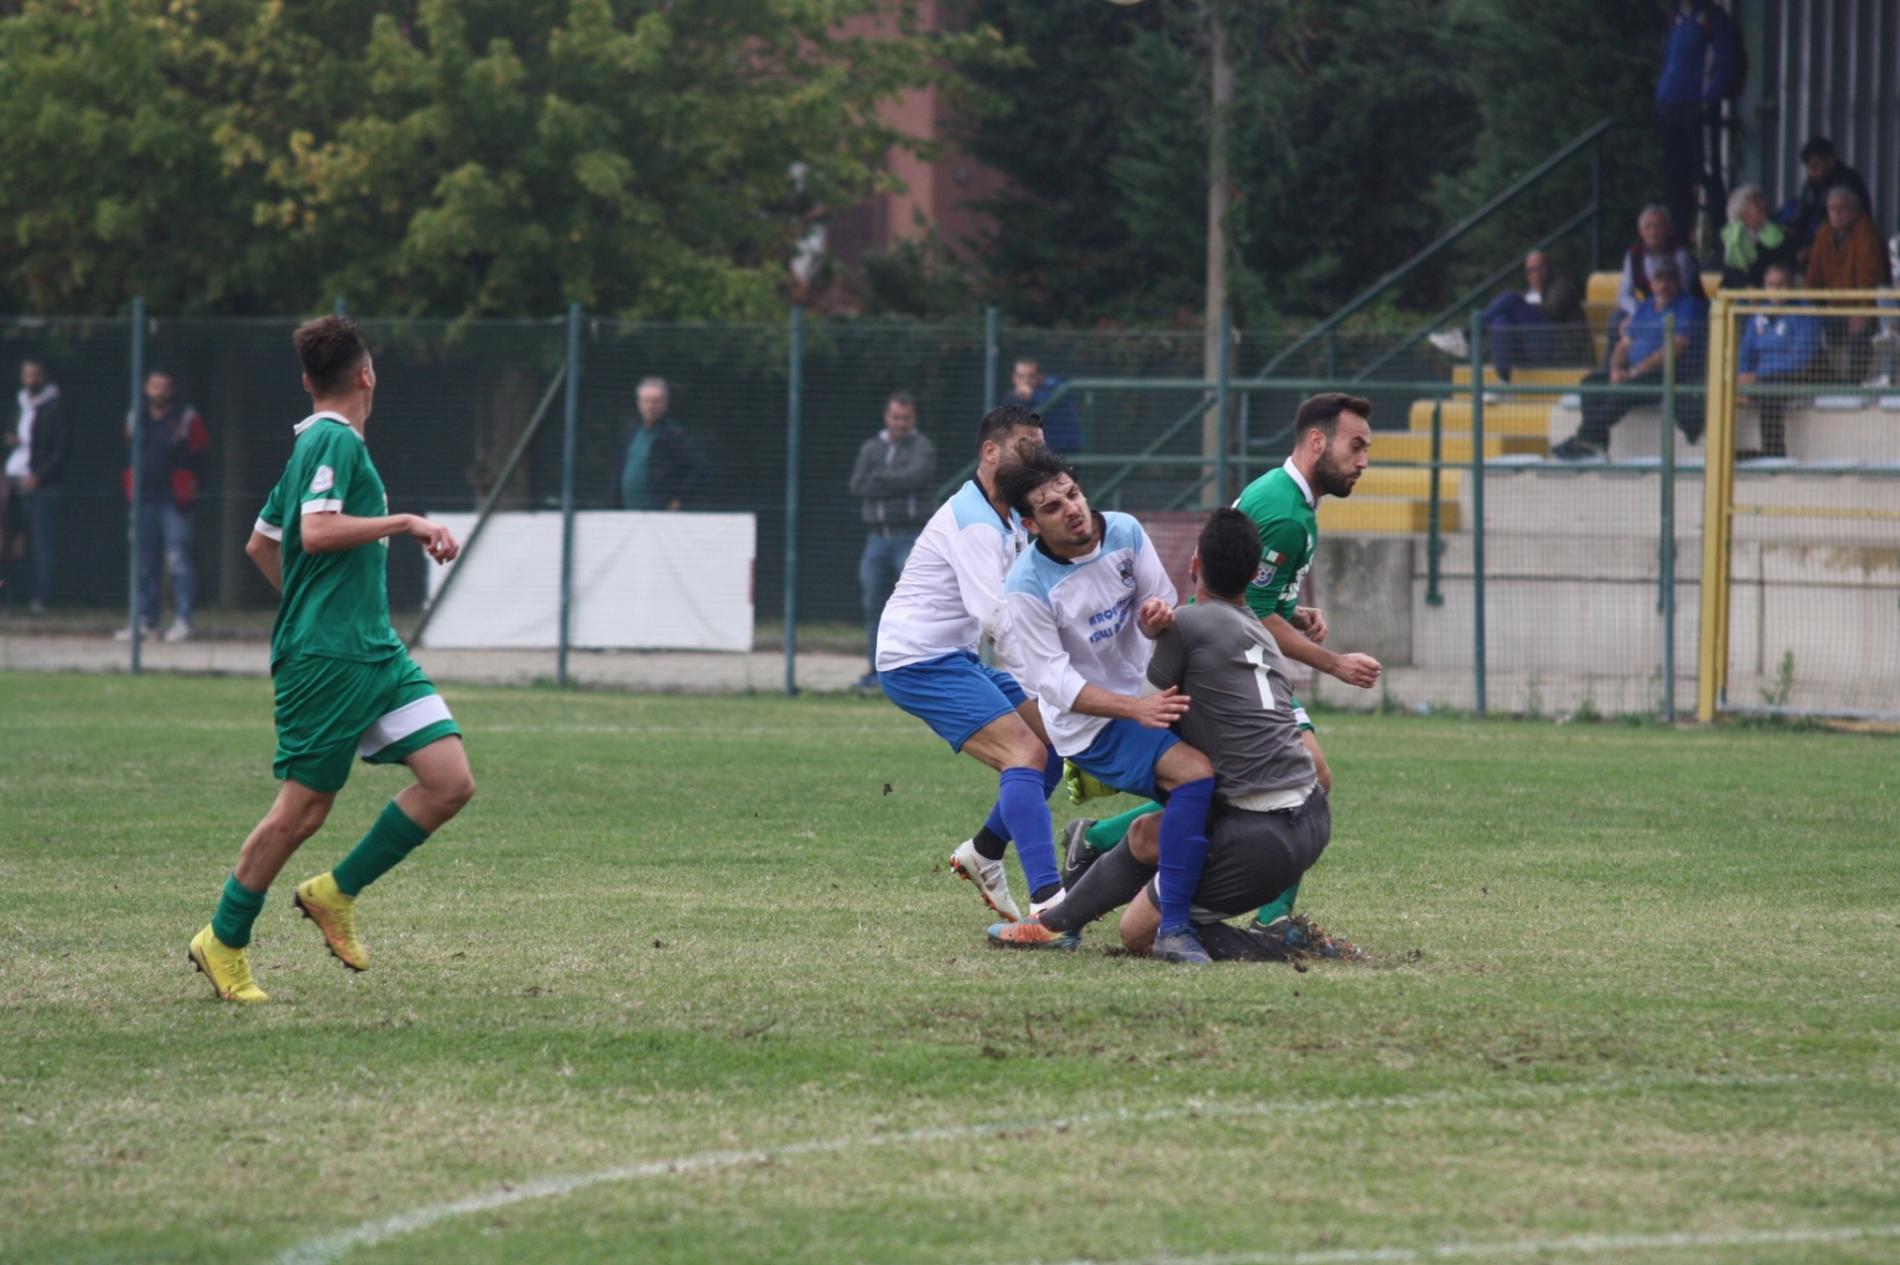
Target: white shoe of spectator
{"x":1886,"y":336}
{"x":1452,"y":342}
{"x":179,"y":631}
{"x":1499,"y":397}
{"x":125,"y":634}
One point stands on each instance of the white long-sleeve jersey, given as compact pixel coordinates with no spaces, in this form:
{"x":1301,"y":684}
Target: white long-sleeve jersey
{"x":1072,"y":623}
{"x":951,"y":593}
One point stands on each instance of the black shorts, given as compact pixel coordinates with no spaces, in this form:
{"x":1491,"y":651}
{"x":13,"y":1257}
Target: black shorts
{"x":1253,"y":857}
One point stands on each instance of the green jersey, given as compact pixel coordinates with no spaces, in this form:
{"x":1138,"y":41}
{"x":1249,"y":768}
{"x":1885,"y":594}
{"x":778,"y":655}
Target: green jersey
{"x":1282,"y":507}
{"x":334,"y":605}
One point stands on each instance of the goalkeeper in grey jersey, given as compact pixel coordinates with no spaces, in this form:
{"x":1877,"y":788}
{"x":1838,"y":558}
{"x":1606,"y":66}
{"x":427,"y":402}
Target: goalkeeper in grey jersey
{"x":1271,"y":820}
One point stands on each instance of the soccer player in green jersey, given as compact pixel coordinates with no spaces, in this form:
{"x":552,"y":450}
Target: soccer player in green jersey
{"x":345,"y":685}
{"x":1332,"y":433}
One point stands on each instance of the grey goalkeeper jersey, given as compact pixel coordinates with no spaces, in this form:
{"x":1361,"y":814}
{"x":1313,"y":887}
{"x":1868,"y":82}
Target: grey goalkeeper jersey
{"x":1241,"y":717}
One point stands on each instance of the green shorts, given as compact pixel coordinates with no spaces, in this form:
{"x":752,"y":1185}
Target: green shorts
{"x":1300,"y":718}
{"x":330,"y":710}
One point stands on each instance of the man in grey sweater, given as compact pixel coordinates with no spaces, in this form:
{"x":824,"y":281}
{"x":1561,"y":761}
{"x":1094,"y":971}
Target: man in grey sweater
{"x":895,"y":476}
{"x":1271,"y":819}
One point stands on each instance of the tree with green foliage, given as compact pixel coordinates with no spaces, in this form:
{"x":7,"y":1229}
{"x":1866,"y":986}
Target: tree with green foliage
{"x":443,"y":157}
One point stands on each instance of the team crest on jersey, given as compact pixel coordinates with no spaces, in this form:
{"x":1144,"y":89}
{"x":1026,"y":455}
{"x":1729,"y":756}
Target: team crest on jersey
{"x":1126,"y":569}
{"x":323,"y":480}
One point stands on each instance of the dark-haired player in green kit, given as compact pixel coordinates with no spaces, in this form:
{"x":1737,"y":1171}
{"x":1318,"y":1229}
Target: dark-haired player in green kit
{"x":1332,"y":434}
{"x":345,"y":686}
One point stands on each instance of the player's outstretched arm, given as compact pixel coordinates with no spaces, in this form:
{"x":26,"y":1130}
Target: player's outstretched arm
{"x":333,"y":533}
{"x":268,"y":554}
{"x":1153,"y":711}
{"x":1361,"y":670}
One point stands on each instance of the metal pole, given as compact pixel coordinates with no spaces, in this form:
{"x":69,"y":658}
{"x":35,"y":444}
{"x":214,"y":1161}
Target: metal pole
{"x":794,"y":401}
{"x":570,"y":437}
{"x":1666,"y":560}
{"x":1596,"y":204}
{"x":137,"y":420}
{"x":1434,"y":542}
{"x":1221,"y":494}
{"x":992,"y":353}
{"x":1477,"y":508}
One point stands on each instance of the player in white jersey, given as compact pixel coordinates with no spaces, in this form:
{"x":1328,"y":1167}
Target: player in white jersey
{"x":948,"y":599}
{"x":1084,"y":603}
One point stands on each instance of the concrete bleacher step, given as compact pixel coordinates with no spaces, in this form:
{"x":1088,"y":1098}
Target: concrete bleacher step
{"x":1402,"y":481}
{"x":1417,"y":446}
{"x":1385,"y":515}
{"x":1545,"y":377}
{"x":1527,"y":416}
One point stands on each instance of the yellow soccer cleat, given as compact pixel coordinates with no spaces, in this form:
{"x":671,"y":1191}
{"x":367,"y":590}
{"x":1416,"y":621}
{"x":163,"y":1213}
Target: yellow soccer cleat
{"x":323,"y":902}
{"x":1083,"y":787}
{"x":228,"y":969}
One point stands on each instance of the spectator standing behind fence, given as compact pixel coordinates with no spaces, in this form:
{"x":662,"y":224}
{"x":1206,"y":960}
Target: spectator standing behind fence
{"x":1061,"y":424}
{"x":35,"y":467}
{"x":1751,"y":242}
{"x":895,"y":476}
{"x":1778,"y":348}
{"x":1805,"y":214}
{"x":1655,"y":245}
{"x":1540,"y":325}
{"x":663,"y":464}
{"x":169,"y":460}
{"x":1637,"y":360}
{"x":1849,"y":255}
{"x":1703,"y":62}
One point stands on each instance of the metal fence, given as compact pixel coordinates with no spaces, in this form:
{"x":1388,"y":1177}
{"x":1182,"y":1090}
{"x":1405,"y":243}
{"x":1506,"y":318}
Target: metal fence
{"x":1483,"y":573}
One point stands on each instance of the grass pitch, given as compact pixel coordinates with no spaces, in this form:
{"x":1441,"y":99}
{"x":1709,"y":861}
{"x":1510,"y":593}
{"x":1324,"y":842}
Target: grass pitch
{"x":689,"y":982}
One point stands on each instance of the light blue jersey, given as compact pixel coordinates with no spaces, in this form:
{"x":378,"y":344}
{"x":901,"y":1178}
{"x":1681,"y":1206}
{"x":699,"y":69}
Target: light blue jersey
{"x":1071,"y":622}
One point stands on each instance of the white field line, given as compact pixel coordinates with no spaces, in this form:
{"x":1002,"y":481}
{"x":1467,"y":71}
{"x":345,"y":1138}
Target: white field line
{"x":333,"y":1247}
{"x":1513,"y":1248}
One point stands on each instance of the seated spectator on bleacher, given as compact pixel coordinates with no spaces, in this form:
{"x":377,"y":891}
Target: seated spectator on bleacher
{"x":1637,"y":360}
{"x":1848,"y":255}
{"x":1776,"y":349}
{"x":1806,"y":212}
{"x":1751,"y":242}
{"x":1654,"y":246}
{"x":1540,"y":325}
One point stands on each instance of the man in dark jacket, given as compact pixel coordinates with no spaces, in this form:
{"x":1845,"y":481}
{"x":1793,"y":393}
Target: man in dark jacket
{"x":1805,"y":214}
{"x":663,"y":464}
{"x":35,"y":467}
{"x":894,"y":475}
{"x":169,"y":445}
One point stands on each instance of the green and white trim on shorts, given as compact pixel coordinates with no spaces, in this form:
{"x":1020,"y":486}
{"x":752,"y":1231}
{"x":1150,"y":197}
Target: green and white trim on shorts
{"x":331,"y":712}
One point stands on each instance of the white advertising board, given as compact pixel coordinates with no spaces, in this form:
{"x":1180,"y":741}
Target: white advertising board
{"x":642,"y":581}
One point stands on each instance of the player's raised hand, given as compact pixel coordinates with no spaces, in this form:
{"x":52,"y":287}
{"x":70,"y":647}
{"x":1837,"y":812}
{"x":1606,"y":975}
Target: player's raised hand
{"x":1311,"y":621}
{"x":1159,"y":711}
{"x":1361,"y":670}
{"x":437,"y":541}
{"x":1155,"y":617}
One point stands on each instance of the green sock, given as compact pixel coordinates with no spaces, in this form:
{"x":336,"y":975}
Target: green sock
{"x":1280,"y":907}
{"x":392,"y":838}
{"x":1109,"y":831}
{"x":237,"y":910}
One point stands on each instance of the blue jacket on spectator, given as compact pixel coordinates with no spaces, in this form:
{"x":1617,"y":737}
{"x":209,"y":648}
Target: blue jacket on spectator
{"x":1780,"y":346}
{"x":1702,"y":57}
{"x":1646,"y":329}
{"x":1061,"y":425}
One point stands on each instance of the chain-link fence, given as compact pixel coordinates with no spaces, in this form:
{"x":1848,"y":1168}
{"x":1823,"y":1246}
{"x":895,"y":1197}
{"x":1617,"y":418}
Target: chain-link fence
{"x":1531,"y":545}
{"x":1802,"y":519}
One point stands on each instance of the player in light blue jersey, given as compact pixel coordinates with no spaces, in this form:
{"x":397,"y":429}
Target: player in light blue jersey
{"x":1084,"y":605}
{"x":948,"y":599}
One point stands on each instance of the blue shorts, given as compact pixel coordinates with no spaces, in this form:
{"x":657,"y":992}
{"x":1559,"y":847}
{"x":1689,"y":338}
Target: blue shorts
{"x":1124,"y":756}
{"x":955,"y":695}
